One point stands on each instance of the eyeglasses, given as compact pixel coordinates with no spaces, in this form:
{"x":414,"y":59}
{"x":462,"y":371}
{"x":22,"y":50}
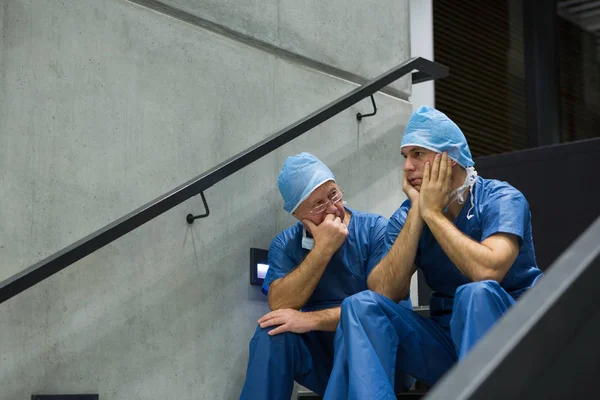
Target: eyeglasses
{"x":333,"y":198}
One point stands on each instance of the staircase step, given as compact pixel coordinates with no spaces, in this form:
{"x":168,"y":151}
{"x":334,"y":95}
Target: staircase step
{"x":410,"y":395}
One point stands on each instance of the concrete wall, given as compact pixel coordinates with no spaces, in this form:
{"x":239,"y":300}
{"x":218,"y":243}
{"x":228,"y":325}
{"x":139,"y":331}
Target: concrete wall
{"x":106,"y":105}
{"x":421,"y":45}
{"x":354,"y":36}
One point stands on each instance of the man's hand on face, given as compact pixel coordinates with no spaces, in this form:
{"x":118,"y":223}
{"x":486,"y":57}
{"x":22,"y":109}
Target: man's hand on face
{"x":288,"y":320}
{"x":435,"y":189}
{"x":411,"y":192}
{"x":330,"y":234}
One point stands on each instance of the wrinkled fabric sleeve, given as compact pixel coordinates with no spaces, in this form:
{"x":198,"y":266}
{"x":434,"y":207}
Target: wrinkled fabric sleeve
{"x":280,"y":264}
{"x":506,"y":211}
{"x":395,"y":225}
{"x":378,"y":247}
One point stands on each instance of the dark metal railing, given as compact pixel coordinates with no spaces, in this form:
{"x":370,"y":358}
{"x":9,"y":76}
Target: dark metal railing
{"x":427,"y":70}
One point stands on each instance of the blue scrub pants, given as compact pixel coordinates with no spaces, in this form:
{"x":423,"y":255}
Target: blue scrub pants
{"x":275,"y":362}
{"x":377,"y":339}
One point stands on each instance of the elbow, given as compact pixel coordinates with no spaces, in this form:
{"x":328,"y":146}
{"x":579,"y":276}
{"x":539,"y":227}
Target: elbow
{"x":274,"y":305}
{"x":372,"y":284}
{"x":278,"y":301}
{"x":488,"y":274}
{"x":485,"y":277}
{"x":397,"y":297}
{"x":401,"y":295}
{"x":394,"y":294}
{"x":376,"y":286}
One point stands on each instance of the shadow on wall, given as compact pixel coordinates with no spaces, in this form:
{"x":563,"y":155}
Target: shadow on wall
{"x":170,"y":301}
{"x":164,"y":308}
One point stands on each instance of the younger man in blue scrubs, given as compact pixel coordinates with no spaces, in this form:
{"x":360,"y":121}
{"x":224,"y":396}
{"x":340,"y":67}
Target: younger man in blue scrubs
{"x":472,"y":239}
{"x":313,"y":266}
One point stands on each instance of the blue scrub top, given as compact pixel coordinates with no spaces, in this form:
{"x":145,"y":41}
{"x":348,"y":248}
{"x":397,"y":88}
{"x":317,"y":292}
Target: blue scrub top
{"x":347,"y":271}
{"x":499,"y":207}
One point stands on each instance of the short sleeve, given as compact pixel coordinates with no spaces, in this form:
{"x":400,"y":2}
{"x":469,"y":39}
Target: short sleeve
{"x":505,"y":211}
{"x":378,"y":248}
{"x":396,"y":223}
{"x":280,"y":264}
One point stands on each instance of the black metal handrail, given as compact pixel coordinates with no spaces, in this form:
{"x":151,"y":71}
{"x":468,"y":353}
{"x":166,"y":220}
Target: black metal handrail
{"x":427,"y":70}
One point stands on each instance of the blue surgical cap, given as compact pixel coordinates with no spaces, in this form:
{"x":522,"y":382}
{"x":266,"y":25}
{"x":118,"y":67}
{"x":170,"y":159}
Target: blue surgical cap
{"x":433,"y":130}
{"x":299,"y":177}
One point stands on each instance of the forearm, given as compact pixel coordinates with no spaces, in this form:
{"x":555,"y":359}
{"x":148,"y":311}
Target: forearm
{"x":473,"y":259}
{"x":391,"y":277}
{"x":294,"y":290}
{"x":326,"y":320}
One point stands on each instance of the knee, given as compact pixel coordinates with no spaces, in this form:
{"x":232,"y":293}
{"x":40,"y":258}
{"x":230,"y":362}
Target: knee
{"x":261,"y":335}
{"x":361,"y":300}
{"x":367,"y":304}
{"x":482,"y":289}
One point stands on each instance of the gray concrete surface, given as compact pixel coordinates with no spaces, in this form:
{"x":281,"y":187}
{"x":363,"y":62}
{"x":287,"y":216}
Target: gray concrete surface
{"x":421,"y":45}
{"x":361,"y":37}
{"x":106,"y":105}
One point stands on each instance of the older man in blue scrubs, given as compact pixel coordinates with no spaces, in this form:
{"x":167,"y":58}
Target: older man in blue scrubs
{"x":472,"y":239}
{"x":313,"y":266}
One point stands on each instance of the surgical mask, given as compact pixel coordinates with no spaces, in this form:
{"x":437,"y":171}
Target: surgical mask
{"x":307,"y":242}
{"x":458,"y":193}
